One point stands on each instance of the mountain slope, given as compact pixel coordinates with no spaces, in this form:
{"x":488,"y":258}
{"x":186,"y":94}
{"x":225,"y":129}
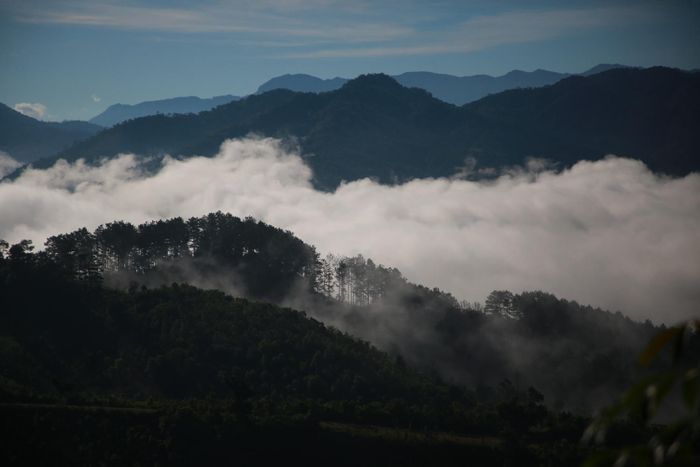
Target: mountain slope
{"x":118,"y":113}
{"x":591,"y":351}
{"x":182,"y":376}
{"x":650,"y":114}
{"x":374,"y":127}
{"x":27,"y":139}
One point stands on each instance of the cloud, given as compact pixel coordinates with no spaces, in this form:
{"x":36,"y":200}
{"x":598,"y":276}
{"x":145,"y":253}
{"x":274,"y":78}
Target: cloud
{"x":333,"y":29}
{"x":34,"y":110}
{"x":7,"y":164}
{"x":272,"y":17}
{"x":609,"y":233}
{"x":486,"y":31}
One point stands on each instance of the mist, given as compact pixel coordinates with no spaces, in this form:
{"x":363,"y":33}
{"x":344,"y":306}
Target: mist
{"x":609,"y":233}
{"x":7,"y":164}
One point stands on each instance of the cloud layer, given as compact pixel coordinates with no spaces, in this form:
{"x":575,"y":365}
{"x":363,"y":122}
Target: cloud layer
{"x":608,"y":233}
{"x":34,"y":110}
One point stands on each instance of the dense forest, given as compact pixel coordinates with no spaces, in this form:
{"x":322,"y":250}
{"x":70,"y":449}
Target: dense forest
{"x":179,"y":375}
{"x":374,"y":127}
{"x":101,"y":334}
{"x":578,"y":356}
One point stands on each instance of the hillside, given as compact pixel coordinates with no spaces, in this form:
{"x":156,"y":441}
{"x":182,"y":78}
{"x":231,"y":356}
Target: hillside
{"x":118,"y":113}
{"x":650,"y":115}
{"x":173,"y":364}
{"x":579,"y":357}
{"x":27,"y":139}
{"x":177,"y":375}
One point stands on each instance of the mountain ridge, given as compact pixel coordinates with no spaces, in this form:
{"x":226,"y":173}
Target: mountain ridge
{"x":27,"y":139}
{"x":374,"y":127}
{"x":118,"y":113}
{"x":457,"y":90}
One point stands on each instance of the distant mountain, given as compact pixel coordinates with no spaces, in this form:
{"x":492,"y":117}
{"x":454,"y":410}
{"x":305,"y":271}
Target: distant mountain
{"x":302,"y":83}
{"x":456,"y":90}
{"x":27,"y":139}
{"x":603,"y":67}
{"x":118,"y":113}
{"x":460,"y":90}
{"x":374,"y":127}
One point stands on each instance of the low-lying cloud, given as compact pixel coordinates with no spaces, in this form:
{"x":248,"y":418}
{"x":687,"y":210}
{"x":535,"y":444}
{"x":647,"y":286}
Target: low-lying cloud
{"x":609,"y":233}
{"x":7,"y":164}
{"x":34,"y":110}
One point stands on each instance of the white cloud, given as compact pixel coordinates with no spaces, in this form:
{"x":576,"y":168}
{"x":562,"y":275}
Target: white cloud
{"x":483,"y":32}
{"x":608,"y":233}
{"x":7,"y":164}
{"x":273,"y":17}
{"x":34,"y":110}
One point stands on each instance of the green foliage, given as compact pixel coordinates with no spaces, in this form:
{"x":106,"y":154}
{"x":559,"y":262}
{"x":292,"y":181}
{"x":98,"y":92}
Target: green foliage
{"x":677,"y":442}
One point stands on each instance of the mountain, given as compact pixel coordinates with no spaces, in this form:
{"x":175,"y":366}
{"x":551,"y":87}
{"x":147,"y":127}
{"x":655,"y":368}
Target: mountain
{"x":118,"y":113}
{"x":456,"y":90}
{"x":374,"y":127}
{"x":460,"y":90}
{"x":650,"y":115}
{"x":27,"y":139}
{"x":301,"y":83}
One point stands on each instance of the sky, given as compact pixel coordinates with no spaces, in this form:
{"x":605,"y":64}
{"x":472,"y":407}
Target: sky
{"x":71,"y":59}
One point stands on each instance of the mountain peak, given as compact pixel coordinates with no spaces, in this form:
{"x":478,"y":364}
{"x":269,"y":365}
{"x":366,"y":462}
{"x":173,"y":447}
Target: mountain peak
{"x":301,"y":82}
{"x":372,"y":81}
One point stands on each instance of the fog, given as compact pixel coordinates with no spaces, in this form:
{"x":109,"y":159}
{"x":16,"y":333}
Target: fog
{"x":608,"y":233}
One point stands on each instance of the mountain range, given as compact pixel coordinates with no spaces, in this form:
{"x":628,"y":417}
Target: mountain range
{"x":28,"y":145}
{"x":456,"y":90}
{"x":374,"y":127}
{"x":449,"y":88}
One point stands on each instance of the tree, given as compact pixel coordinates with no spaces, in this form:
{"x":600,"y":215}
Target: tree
{"x":501,"y":303}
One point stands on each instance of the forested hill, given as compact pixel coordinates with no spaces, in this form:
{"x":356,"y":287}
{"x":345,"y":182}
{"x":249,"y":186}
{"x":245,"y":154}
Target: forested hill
{"x":373,"y":126}
{"x":181,"y":376}
{"x":578,"y":356}
{"x":27,"y":139}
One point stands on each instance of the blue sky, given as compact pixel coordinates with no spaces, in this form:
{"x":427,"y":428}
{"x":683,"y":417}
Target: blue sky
{"x":71,"y":59}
